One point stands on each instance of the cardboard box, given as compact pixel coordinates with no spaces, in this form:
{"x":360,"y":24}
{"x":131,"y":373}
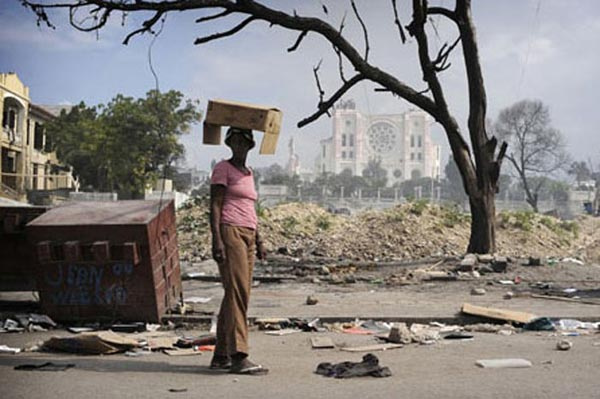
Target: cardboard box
{"x":247,"y":116}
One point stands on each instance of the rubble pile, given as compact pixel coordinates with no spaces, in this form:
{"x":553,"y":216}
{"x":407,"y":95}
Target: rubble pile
{"x":409,"y":231}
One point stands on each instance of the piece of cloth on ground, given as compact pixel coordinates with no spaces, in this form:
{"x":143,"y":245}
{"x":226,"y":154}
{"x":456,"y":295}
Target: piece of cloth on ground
{"x":48,"y":366}
{"x":368,"y":367}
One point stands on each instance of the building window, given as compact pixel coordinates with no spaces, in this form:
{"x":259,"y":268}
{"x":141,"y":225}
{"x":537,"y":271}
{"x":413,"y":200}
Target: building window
{"x":38,"y":136}
{"x":412,"y":156}
{"x":351,"y":155}
{"x":412,"y":141}
{"x":419,"y":157}
{"x":324,"y":152}
{"x":343,"y":154}
{"x":420,"y":141}
{"x":351,"y":140}
{"x":348,"y":122}
{"x":343,"y":140}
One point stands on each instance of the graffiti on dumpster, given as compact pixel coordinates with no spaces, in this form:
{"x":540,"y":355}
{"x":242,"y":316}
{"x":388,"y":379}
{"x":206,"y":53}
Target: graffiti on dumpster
{"x":83,"y":284}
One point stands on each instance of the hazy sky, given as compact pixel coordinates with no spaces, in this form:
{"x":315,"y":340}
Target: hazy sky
{"x":547,"y":50}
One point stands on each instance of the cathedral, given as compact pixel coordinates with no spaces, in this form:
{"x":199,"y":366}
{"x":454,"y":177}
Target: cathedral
{"x":401,"y":142}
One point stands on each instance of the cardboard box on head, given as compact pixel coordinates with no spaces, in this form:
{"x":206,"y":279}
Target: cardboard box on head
{"x":246,"y":116}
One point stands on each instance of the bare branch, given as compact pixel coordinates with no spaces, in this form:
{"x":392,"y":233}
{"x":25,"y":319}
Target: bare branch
{"x":364,"y":28}
{"x":298,"y":41}
{"x":324,"y":106}
{"x":316,"y":73}
{"x":397,"y":22}
{"x":214,"y":16}
{"x":93,"y":15}
{"x":441,"y":62}
{"x":230,"y":32}
{"x":146,"y":27}
{"x":443,"y":11}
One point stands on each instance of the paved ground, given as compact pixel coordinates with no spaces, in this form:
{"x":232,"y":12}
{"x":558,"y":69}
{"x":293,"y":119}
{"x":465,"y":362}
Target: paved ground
{"x":442,"y":370}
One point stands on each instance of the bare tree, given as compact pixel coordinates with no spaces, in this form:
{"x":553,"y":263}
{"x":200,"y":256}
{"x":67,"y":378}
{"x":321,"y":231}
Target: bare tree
{"x":538,"y":150}
{"x":479,"y":166}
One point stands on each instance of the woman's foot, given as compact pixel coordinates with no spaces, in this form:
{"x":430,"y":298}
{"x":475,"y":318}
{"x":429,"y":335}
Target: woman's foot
{"x":220,"y":362}
{"x":245,"y":366}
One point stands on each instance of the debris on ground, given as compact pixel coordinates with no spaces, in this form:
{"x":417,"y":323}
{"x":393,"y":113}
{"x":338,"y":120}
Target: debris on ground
{"x":94,"y":343}
{"x":564,"y":345}
{"x":8,"y":349}
{"x":503,"y":363}
{"x":312,"y":300}
{"x":31,"y":322}
{"x":322,"y":343}
{"x":48,"y":366}
{"x":409,"y":231}
{"x":500,"y":314}
{"x":368,"y":367}
{"x":371,"y":348}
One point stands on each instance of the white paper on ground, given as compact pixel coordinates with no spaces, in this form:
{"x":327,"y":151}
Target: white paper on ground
{"x":503,"y":363}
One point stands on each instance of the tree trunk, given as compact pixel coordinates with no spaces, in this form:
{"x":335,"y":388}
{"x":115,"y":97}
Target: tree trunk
{"x":483,"y":222}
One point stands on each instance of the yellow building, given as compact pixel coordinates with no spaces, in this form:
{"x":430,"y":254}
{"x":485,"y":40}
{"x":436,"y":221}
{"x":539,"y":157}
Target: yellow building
{"x":27,"y":164}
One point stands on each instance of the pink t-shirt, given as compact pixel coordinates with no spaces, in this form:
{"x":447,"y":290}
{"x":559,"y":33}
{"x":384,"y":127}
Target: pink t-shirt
{"x":240,"y":195}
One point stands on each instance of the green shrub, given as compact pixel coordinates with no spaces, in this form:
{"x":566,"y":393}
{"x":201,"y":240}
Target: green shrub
{"x":323,"y":222}
{"x":418,"y":207}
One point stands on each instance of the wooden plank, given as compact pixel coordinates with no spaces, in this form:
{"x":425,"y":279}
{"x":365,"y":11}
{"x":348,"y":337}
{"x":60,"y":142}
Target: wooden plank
{"x":371,"y":348}
{"x":500,"y":314}
{"x":182,"y":352}
{"x":322,"y":343}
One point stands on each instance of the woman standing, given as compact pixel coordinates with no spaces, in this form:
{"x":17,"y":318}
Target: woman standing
{"x":235,"y":240}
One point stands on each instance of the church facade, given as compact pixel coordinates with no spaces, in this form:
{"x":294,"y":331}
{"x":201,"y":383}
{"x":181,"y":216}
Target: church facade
{"x":401,"y":142}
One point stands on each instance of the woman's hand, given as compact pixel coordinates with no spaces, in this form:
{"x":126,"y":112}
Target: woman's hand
{"x":261,"y":252}
{"x":218,"y":251}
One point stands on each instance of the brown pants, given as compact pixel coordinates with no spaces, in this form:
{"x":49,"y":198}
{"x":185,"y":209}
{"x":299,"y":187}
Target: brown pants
{"x":236,"y":276}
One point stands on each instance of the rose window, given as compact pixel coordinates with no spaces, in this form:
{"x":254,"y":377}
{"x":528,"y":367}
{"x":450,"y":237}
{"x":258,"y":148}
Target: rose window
{"x":382,"y":137}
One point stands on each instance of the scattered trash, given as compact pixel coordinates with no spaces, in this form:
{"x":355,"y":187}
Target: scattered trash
{"x":494,"y":313}
{"x":506,"y":282}
{"x":182,"y":352}
{"x":48,"y":366}
{"x":478,"y":291}
{"x":572,"y":260}
{"x":505,"y":329}
{"x":564,"y":345}
{"x":197,"y":299}
{"x":570,"y":290}
{"x":368,"y":367}
{"x":539,"y":324}
{"x":11,"y":325}
{"x":357,"y":330}
{"x":177,"y":390}
{"x":571,"y":324}
{"x":400,"y":334}
{"x":95,"y":343}
{"x":311,"y":300}
{"x":129,"y":328}
{"x":371,"y":348}
{"x":322,"y":343}
{"x":500,"y":264}
{"x":78,"y":330}
{"x":189,"y":342}
{"x":547,"y":362}
{"x":137,"y":353}
{"x":285,"y":331}
{"x":503,"y":363}
{"x":458,"y":336}
{"x":509,"y":295}
{"x":8,"y":349}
